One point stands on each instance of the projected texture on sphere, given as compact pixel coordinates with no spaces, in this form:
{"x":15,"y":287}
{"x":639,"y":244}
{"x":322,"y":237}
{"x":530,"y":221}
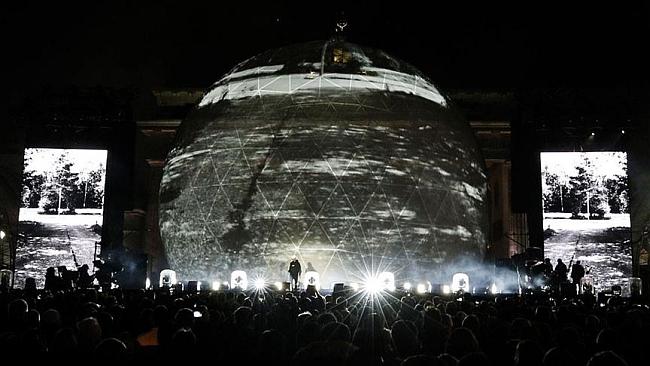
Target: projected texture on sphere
{"x":341,"y":155}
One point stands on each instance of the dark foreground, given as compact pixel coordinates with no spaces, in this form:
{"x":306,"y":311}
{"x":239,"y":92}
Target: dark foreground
{"x":129,"y":327}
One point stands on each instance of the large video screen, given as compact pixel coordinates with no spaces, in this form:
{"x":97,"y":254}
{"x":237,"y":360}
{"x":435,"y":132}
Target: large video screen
{"x":61,"y":214}
{"x":585,"y":199}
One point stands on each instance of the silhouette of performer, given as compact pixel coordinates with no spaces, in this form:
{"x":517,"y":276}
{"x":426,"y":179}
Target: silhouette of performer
{"x":548,"y":268}
{"x":294,"y":270}
{"x":85,"y":279}
{"x":561,"y":271}
{"x":53,"y":282}
{"x":577,"y":272}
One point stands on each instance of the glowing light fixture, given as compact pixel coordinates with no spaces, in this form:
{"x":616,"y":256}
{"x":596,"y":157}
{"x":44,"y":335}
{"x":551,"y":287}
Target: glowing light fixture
{"x":238,"y":280}
{"x":167,"y":278}
{"x":423,"y":287}
{"x":387,"y":281}
{"x":312,"y":278}
{"x":459,"y":282}
{"x":407,"y":286}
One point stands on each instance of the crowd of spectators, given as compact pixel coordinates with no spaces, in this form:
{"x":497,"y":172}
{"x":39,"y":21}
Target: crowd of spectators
{"x":167,"y":327}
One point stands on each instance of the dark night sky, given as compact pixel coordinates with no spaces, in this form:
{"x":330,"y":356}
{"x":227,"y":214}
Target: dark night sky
{"x":194,"y":43}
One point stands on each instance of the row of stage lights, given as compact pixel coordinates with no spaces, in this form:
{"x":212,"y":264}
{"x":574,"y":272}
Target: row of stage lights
{"x":384,"y":281}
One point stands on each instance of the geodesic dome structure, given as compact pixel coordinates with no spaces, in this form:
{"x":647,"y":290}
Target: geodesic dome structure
{"x":340,"y":154}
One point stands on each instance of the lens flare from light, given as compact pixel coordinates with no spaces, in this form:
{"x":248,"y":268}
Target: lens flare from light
{"x":373,"y":285}
{"x":259,"y":284}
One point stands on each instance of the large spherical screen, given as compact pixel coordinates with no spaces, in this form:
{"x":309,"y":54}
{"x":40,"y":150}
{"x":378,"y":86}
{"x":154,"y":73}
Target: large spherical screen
{"x":355,"y":167}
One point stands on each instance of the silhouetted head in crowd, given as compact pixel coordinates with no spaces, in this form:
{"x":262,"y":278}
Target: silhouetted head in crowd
{"x":606,"y":358}
{"x":111,"y":351}
{"x":461,"y":342}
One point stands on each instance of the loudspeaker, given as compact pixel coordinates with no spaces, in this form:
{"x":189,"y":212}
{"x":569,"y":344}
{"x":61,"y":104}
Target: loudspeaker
{"x":192,"y":286}
{"x":338,"y":287}
{"x":436,"y":288}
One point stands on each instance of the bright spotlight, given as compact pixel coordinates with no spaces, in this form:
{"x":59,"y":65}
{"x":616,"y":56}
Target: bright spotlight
{"x":259,"y":284}
{"x":460,"y":282}
{"x":493,"y":289}
{"x":167,"y":278}
{"x":2,"y":234}
{"x":373,"y":285}
{"x":238,"y":280}
{"x":407,"y":286}
{"x":279,"y":286}
{"x":446,"y":289}
{"x":313,"y":278}
{"x":387,"y":281}
{"x":421,"y":288}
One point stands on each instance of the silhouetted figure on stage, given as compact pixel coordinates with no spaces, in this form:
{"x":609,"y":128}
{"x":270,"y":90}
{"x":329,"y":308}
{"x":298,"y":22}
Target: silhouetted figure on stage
{"x":539,"y":276}
{"x":85,"y":279}
{"x":68,"y":278}
{"x":542,"y":274}
{"x":548,"y":268}
{"x":561,"y":271}
{"x":106,"y":272}
{"x":294,"y":270}
{"x":53,"y":282}
{"x":577,"y":272}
